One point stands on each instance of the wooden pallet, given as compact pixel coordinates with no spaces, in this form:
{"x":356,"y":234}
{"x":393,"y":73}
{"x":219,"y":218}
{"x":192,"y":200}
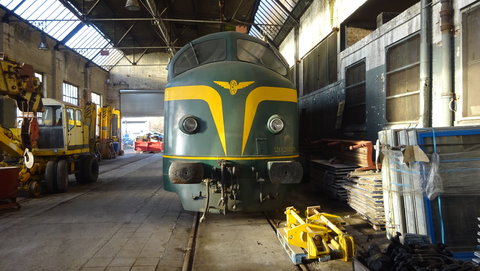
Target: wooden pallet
{"x":295,"y":253}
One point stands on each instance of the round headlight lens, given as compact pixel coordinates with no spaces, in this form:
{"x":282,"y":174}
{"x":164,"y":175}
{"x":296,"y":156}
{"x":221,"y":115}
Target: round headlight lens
{"x":189,"y":124}
{"x":275,"y":124}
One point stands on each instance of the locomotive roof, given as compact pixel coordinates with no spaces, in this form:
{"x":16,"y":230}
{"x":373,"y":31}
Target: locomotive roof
{"x":226,"y":35}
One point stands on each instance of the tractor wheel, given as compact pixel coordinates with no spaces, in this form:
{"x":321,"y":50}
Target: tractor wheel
{"x":88,"y":171}
{"x":51,"y":176}
{"x":34,"y":189}
{"x":62,"y":176}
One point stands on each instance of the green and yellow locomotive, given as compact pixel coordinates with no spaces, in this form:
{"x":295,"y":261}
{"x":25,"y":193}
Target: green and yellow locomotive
{"x":231,"y":125}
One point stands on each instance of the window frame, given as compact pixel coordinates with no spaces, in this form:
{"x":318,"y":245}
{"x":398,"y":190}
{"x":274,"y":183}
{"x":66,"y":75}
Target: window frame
{"x":403,"y":68}
{"x":99,"y":104}
{"x":70,"y":93}
{"x":356,"y":126}
{"x":463,"y":115}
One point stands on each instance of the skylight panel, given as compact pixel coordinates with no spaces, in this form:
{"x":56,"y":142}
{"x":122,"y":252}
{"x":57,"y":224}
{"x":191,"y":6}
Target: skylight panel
{"x":27,"y":13}
{"x":88,"y":42}
{"x":10,"y":4}
{"x":109,"y":58}
{"x":52,"y":17}
{"x":24,"y":7}
{"x":270,"y":12}
{"x":39,"y":13}
{"x":46,"y":15}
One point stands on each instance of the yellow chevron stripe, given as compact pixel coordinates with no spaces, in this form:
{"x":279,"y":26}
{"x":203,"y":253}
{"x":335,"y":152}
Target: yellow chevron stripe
{"x":231,"y":158}
{"x":204,"y":93}
{"x":259,"y":95}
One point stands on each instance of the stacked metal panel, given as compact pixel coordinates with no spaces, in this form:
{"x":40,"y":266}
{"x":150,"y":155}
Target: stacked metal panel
{"x":365,"y":195}
{"x":334,"y":175}
{"x":445,"y":215}
{"x":403,"y":196}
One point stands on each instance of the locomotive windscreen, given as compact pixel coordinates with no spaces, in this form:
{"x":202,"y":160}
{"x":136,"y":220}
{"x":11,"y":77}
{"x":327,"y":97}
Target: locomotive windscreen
{"x":257,"y":53}
{"x":199,"y":54}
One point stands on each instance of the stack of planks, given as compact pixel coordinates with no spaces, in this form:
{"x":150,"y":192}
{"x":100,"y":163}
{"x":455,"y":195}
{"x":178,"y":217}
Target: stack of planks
{"x":365,"y":195}
{"x":350,"y":152}
{"x":334,"y":175}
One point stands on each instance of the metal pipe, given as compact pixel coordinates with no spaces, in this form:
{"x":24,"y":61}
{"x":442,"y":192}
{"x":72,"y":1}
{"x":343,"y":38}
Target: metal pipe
{"x":296,"y":65}
{"x":425,"y":63}
{"x":445,"y":116}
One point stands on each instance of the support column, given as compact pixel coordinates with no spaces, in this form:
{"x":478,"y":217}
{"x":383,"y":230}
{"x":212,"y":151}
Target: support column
{"x":426,"y":64}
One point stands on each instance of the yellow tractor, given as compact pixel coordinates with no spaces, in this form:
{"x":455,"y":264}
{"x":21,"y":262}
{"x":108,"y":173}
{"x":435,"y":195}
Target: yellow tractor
{"x":56,"y":138}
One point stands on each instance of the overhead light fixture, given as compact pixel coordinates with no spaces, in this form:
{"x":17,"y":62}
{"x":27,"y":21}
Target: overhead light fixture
{"x":43,"y":45}
{"x":132,"y":5}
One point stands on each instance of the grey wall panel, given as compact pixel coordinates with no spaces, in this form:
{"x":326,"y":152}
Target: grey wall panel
{"x":319,"y":111}
{"x":375,"y":102}
{"x":141,"y":103}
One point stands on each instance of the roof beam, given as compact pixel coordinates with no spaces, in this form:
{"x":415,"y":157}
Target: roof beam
{"x":159,"y":22}
{"x":126,"y":33}
{"x":143,"y":19}
{"x":92,"y":8}
{"x":127,"y":47}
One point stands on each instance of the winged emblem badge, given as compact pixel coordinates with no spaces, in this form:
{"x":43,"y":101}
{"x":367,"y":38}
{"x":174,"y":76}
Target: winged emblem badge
{"x":233,"y":86}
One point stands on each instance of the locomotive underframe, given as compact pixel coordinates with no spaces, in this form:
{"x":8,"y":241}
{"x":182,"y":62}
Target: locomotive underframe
{"x":221,"y":186}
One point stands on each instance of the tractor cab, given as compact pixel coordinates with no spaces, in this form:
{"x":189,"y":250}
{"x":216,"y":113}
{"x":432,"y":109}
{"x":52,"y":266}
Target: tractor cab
{"x":61,"y":127}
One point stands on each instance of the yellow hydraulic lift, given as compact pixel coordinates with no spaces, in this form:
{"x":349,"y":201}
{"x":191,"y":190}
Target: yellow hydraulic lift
{"x":320,"y":234}
{"x":56,"y":138}
{"x":109,"y":145}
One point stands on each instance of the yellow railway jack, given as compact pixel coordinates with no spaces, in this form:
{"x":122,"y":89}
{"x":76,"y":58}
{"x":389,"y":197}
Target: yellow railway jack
{"x":320,"y":234}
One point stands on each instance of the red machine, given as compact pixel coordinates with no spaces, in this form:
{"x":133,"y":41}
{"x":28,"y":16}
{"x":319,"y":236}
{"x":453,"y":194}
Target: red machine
{"x":149,"y":143}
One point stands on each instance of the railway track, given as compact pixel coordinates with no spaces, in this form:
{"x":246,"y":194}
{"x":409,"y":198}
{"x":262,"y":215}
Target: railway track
{"x":193,"y":248}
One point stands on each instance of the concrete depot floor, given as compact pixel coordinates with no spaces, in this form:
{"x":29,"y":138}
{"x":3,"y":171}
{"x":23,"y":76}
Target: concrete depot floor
{"x":247,"y":241}
{"x":126,"y":221}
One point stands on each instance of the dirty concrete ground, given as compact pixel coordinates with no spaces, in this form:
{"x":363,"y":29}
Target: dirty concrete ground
{"x":248,"y":242}
{"x":126,"y":221}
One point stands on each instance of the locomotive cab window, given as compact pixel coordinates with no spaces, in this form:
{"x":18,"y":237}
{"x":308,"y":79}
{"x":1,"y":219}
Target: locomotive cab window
{"x":260,"y":54}
{"x":199,"y":54}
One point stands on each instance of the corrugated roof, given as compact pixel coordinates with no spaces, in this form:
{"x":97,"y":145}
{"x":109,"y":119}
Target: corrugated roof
{"x":60,"y":22}
{"x":276,"y":18}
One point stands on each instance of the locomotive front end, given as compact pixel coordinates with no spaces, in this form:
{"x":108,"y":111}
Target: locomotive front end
{"x":231,"y":126}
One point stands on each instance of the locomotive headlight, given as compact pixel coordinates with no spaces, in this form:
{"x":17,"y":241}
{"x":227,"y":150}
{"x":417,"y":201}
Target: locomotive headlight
{"x":189,"y":124}
{"x":275,"y":124}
